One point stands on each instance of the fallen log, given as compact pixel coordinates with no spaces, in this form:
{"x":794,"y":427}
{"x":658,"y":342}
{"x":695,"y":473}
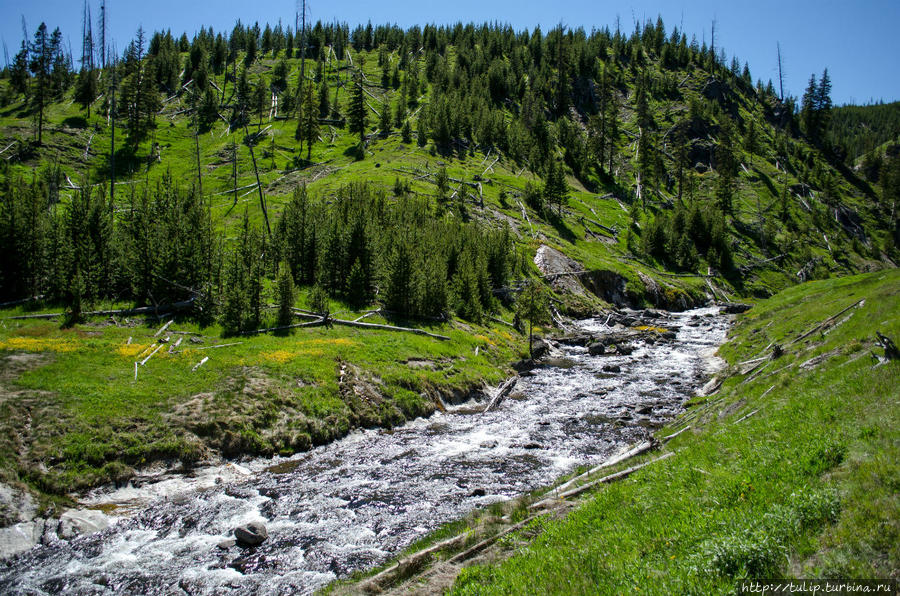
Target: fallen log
{"x":318,"y":323}
{"x":502,"y":392}
{"x":158,"y":348}
{"x":388,"y":328}
{"x":612,"y":461}
{"x":827,"y":322}
{"x":199,"y":364}
{"x":385,"y":578}
{"x":237,"y":343}
{"x":163,"y":328}
{"x":611,"y":478}
{"x":668,"y":438}
{"x":474,"y":550}
{"x":501,"y":321}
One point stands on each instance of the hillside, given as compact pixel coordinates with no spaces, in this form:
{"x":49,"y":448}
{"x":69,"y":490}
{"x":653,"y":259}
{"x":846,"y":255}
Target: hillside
{"x":416,"y":172}
{"x":786,"y":469}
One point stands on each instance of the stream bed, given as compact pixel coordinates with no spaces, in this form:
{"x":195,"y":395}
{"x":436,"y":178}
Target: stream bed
{"x":354,"y":503}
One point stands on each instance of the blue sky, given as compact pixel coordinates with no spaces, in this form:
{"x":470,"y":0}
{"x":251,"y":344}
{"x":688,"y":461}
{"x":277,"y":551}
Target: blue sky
{"x":857,"y":41}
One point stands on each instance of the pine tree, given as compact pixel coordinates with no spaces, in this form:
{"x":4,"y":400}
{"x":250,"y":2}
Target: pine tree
{"x":285,"y":295}
{"x":18,"y":72}
{"x":358,"y":118}
{"x":308,"y":122}
{"x":324,"y":103}
{"x":421,"y":138}
{"x":556,"y":189}
{"x":751,"y":142}
{"x":406,"y":132}
{"x":384,"y":120}
{"x":86,"y":87}
{"x":41,"y":60}
{"x":532,"y":305}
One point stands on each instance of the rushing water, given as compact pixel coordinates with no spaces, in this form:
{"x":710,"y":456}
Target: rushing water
{"x":352,"y":504}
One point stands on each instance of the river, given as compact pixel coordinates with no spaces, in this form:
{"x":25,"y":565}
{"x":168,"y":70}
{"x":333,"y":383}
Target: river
{"x":352,"y":504}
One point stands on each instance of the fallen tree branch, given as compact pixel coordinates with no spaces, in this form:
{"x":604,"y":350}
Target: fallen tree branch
{"x":388,"y":328}
{"x":612,"y":477}
{"x":668,"y":438}
{"x":827,"y":322}
{"x":612,"y":461}
{"x":502,"y":392}
{"x":163,"y":328}
{"x":470,"y":552}
{"x":403,"y":567}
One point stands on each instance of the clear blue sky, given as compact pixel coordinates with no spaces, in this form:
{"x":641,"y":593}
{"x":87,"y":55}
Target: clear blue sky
{"x":857,"y":40}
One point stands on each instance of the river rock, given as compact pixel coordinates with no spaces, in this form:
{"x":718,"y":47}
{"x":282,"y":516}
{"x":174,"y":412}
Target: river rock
{"x":735,"y":308}
{"x":612,"y":368}
{"x":251,"y":534}
{"x":596,"y":349}
{"x":75,"y":522}
{"x":560,"y":362}
{"x":523,"y":366}
{"x":478,"y":492}
{"x":539,"y":348}
{"x":644,"y":410}
{"x":20,"y":537}
{"x":226,"y":544}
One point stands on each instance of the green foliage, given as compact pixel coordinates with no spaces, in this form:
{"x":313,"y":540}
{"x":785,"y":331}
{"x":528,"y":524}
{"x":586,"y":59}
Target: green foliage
{"x":357,"y":114}
{"x":285,"y":286}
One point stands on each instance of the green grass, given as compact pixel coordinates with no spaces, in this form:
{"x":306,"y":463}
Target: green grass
{"x":805,"y":487}
{"x":84,"y":419}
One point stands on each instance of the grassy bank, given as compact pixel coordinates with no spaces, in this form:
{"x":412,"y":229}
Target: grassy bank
{"x":74,"y":415}
{"x":790,"y":469}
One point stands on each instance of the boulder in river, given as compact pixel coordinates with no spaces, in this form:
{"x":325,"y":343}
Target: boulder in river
{"x":251,"y":534}
{"x":735,"y":308}
{"x":539,"y":348}
{"x":596,"y":349}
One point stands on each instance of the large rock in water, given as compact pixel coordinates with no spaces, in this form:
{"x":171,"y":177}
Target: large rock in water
{"x":539,"y":348}
{"x":597,"y":349}
{"x":251,"y":534}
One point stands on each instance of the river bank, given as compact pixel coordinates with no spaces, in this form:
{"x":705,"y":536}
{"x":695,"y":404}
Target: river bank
{"x":351,"y":504}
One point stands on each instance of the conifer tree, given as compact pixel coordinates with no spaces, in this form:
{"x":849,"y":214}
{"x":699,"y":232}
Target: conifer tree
{"x":384,"y":120}
{"x":358,"y":118}
{"x":406,"y":132}
{"x":324,"y":103}
{"x":285,"y":295}
{"x":556,"y":189}
{"x":18,"y":71}
{"x":41,"y":60}
{"x":86,"y":88}
{"x":308,"y":122}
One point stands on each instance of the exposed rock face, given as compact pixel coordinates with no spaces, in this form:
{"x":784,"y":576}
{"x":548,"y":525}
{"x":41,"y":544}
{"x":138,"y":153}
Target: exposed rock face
{"x":610,"y":286}
{"x":251,"y":534}
{"x":550,"y":261}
